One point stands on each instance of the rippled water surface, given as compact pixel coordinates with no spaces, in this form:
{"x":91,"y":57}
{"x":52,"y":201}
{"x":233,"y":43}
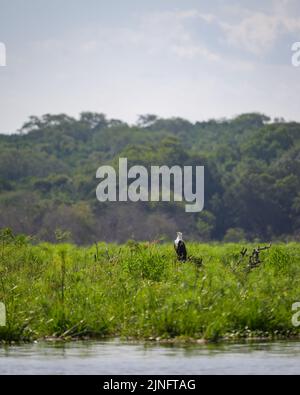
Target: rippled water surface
{"x":114,"y":357}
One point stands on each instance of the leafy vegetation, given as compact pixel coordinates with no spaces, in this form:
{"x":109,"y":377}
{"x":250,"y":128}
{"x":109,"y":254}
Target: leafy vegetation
{"x":48,"y":178}
{"x":139,"y":290}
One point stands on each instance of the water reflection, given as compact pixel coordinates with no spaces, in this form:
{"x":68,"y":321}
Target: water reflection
{"x":115,"y":357}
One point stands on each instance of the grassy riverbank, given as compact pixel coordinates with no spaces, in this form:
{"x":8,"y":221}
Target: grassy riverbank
{"x":140,"y":291}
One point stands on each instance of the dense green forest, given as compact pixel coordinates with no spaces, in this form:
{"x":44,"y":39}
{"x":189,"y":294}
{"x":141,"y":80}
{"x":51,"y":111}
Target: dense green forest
{"x":252,"y":169}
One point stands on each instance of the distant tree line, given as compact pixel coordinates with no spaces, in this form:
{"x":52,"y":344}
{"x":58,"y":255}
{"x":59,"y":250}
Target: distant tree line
{"x":252,"y":191}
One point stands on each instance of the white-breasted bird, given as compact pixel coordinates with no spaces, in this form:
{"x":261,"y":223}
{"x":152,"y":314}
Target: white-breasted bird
{"x":180,"y":247}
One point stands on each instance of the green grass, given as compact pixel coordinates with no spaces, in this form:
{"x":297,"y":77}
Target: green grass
{"x":140,"y":291}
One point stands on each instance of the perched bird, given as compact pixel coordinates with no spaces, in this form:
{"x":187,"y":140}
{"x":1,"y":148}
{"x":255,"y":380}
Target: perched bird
{"x":180,"y":248}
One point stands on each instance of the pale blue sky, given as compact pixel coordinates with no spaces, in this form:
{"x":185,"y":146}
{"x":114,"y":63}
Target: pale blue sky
{"x":190,"y":58}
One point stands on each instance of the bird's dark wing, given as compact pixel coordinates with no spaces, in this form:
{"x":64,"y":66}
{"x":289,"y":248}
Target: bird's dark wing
{"x":183,"y":251}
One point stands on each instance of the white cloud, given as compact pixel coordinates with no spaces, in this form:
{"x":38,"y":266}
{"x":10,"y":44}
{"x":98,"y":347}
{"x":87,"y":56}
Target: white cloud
{"x":169,"y":32}
{"x":157,"y":34}
{"x":257,"y":32}
{"x":191,"y":51}
{"x":249,"y":30}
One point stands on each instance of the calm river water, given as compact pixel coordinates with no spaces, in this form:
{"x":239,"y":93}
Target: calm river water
{"x":114,"y":357}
